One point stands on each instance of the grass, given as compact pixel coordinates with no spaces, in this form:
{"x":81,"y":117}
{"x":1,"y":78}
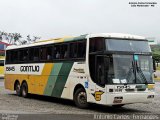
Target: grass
{"x":158,"y":68}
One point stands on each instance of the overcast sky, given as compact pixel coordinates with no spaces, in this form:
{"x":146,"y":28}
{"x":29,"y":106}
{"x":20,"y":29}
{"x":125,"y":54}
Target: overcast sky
{"x":57,"y":18}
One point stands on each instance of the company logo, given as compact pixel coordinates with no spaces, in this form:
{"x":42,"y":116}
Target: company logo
{"x":29,"y":68}
{"x":97,"y":95}
{"x":78,"y":70}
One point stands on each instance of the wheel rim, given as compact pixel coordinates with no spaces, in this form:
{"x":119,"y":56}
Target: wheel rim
{"x":24,"y":91}
{"x":82,"y":98}
{"x":17,"y":88}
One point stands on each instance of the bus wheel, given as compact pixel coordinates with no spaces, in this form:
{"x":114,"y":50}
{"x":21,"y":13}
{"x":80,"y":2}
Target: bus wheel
{"x":24,"y":90}
{"x":80,"y":98}
{"x":18,"y":89}
{"x":118,"y":106}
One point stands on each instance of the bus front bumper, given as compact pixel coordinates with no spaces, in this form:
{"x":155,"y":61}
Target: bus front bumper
{"x":128,"y":98}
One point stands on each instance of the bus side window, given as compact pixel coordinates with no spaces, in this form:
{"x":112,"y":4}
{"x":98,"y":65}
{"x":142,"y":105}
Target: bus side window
{"x":49,"y":53}
{"x":23,"y":55}
{"x":43,"y":53}
{"x":73,"y":50}
{"x":64,"y":51}
{"x":33,"y":54}
{"x":96,"y":44}
{"x":57,"y":52}
{"x":36,"y":54}
{"x":8,"y":56}
{"x":81,"y":49}
{"x":13,"y":56}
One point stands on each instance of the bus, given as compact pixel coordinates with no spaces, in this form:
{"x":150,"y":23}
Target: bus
{"x":2,"y":66}
{"x":111,"y":69}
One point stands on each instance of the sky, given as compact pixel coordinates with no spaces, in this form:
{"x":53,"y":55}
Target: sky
{"x":57,"y":18}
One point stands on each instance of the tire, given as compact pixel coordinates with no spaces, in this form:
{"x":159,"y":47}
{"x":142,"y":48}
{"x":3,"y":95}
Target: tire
{"x":24,"y":90}
{"x":80,"y":98}
{"x":18,"y":89}
{"x":118,"y":106}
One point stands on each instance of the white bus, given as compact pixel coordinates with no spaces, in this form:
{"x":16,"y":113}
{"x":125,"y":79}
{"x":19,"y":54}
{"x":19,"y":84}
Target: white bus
{"x":107,"y":68}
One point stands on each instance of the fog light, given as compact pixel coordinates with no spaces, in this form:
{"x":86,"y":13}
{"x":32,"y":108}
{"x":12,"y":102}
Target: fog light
{"x":150,"y":96}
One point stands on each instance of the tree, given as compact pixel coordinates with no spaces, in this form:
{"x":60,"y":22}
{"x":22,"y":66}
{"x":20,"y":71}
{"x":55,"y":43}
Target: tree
{"x":156,"y":57}
{"x":16,"y":38}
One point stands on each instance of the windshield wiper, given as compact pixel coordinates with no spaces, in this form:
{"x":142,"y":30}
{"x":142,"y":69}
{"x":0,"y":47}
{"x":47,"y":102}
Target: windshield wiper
{"x":130,"y":73}
{"x":139,"y":71}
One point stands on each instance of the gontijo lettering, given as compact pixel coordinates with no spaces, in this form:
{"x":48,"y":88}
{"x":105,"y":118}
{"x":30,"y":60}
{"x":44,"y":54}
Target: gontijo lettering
{"x":29,"y":68}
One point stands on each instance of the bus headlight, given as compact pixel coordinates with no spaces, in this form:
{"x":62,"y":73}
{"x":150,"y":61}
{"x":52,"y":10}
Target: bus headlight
{"x":118,"y":99}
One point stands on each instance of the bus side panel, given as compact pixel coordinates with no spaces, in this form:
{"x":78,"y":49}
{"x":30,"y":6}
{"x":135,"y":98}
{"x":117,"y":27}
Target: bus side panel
{"x":52,"y":79}
{"x":10,"y":80}
{"x":37,"y":83}
{"x":57,"y":79}
{"x":61,"y":79}
{"x":76,"y":76}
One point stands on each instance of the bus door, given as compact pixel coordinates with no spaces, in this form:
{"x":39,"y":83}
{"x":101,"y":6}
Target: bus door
{"x":101,"y":74}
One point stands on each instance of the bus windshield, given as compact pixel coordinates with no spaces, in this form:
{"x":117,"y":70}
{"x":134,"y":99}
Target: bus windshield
{"x":132,"y":69}
{"x":120,"y":61}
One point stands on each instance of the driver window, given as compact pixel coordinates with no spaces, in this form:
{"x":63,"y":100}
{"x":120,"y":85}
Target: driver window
{"x":100,"y":70}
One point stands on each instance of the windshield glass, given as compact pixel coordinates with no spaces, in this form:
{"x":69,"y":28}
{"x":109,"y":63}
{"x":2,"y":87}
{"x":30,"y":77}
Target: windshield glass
{"x":132,"y":69}
{"x":127,"y":45}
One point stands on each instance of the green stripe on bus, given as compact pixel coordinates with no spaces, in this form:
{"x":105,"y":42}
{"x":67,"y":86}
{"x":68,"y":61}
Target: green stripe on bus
{"x":52,"y":79}
{"x":61,"y":79}
{"x":68,"y":39}
{"x":76,"y":38}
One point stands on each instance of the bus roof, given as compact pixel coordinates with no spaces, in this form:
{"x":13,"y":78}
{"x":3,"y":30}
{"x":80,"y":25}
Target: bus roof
{"x":69,"y":38}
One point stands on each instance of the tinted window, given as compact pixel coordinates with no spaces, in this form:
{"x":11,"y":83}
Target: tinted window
{"x":34,"y":54}
{"x":57,"y":51}
{"x":8,"y":56}
{"x":127,"y":45}
{"x":23,"y":55}
{"x":81,"y":49}
{"x":96,"y":44}
{"x":15,"y":56}
{"x":73,"y":50}
{"x":46,"y":53}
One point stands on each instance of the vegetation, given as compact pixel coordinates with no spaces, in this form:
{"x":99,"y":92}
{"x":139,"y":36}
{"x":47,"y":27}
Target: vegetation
{"x":16,"y":38}
{"x":156,"y":53}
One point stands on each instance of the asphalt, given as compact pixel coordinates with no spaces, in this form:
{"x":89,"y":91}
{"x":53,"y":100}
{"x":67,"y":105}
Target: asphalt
{"x":37,"y":107}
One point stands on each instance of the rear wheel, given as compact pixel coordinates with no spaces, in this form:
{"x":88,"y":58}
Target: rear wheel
{"x":80,"y":98}
{"x":24,"y":90}
{"x":18,"y":89}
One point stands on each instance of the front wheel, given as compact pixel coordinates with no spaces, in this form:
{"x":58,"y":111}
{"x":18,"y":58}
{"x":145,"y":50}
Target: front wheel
{"x":118,"y":106}
{"x":80,"y":98}
{"x":24,"y":90}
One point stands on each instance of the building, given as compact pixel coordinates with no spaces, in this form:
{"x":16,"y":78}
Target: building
{"x":3,"y":46}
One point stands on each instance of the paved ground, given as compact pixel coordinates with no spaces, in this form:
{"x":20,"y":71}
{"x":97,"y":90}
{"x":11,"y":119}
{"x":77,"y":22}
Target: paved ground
{"x":157,"y":73}
{"x":65,"y":109}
